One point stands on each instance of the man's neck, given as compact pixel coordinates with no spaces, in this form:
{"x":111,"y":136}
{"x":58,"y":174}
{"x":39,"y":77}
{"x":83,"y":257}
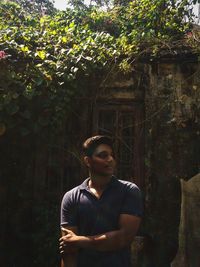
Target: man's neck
{"x":99,"y":182}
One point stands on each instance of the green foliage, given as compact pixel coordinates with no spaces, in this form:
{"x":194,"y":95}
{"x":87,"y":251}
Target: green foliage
{"x":47,"y":59}
{"x":39,"y":7}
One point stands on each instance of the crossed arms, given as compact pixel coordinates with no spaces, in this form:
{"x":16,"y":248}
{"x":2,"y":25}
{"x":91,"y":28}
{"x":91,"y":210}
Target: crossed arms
{"x":70,"y":242}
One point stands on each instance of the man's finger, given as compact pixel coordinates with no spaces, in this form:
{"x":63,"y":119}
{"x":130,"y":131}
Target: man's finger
{"x":62,"y":243}
{"x":65,"y":230}
{"x":61,"y":248}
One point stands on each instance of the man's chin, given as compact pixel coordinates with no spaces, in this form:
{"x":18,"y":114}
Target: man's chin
{"x":107,"y":174}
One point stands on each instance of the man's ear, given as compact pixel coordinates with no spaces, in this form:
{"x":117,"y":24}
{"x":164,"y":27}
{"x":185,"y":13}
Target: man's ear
{"x":86,"y":160}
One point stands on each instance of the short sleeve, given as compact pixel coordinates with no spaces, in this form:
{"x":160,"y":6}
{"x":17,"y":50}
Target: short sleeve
{"x":68,"y":210}
{"x":132,"y":202}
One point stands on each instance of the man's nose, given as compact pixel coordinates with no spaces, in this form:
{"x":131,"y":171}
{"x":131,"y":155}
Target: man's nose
{"x":110,"y":158}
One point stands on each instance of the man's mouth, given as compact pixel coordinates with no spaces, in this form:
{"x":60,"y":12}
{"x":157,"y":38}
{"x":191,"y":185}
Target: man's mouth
{"x":109,"y":167}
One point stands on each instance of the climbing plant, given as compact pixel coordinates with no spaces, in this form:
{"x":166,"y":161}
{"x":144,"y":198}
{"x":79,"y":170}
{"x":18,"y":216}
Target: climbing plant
{"x":45,"y":58}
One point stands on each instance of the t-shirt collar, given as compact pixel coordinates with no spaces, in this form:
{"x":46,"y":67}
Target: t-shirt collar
{"x":84,"y":185}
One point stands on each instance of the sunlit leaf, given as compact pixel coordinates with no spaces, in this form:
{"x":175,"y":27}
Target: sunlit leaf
{"x":41,"y":54}
{"x":24,"y":48}
{"x":64,"y":39}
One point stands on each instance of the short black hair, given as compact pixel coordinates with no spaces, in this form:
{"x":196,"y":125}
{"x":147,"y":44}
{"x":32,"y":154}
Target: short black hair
{"x":93,"y":142}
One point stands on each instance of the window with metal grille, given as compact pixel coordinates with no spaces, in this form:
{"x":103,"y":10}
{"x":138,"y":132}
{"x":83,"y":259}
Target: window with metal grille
{"x":123,"y":123}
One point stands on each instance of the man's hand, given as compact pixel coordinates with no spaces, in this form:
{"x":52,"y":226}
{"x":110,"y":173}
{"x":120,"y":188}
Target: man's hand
{"x":68,"y":242}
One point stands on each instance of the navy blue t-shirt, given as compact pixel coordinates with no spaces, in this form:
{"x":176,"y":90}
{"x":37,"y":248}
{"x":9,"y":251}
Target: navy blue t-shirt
{"x":94,"y":216}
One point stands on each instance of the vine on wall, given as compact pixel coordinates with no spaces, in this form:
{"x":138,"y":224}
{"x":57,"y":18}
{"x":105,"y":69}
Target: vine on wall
{"x":45,"y":59}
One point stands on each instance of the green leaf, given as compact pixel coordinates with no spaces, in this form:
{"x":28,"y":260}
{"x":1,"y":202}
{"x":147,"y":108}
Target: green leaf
{"x":89,"y":58}
{"x":41,"y":54}
{"x":39,"y":81}
{"x":42,"y":20}
{"x":64,"y":39}
{"x":24,"y":48}
{"x":72,"y":24}
{"x":74,"y":69}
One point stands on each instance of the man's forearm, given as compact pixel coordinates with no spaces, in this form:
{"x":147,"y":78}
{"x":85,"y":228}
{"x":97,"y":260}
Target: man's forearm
{"x":69,"y":254}
{"x":69,"y":260}
{"x":109,"y":241}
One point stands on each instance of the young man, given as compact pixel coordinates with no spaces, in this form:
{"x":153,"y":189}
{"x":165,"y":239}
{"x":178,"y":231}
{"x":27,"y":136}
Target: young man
{"x":100,"y":217}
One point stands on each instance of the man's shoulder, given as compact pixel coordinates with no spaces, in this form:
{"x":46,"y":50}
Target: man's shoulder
{"x":75,"y":191}
{"x":132,"y":203}
{"x":127,"y":184}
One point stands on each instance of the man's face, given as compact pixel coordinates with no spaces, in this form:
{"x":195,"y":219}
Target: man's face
{"x":102,"y":161}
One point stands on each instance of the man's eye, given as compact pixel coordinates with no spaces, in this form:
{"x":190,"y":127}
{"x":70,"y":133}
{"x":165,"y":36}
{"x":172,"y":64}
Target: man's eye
{"x":104,"y":155}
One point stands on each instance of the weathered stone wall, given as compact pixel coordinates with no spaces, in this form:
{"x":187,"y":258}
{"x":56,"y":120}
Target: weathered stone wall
{"x":170,"y":93}
{"x":172,"y":151}
{"x":189,"y":233}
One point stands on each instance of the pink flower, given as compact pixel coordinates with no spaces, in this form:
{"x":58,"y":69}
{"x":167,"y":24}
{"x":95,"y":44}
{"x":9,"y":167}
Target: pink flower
{"x":189,"y":34}
{"x":2,"y":54}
